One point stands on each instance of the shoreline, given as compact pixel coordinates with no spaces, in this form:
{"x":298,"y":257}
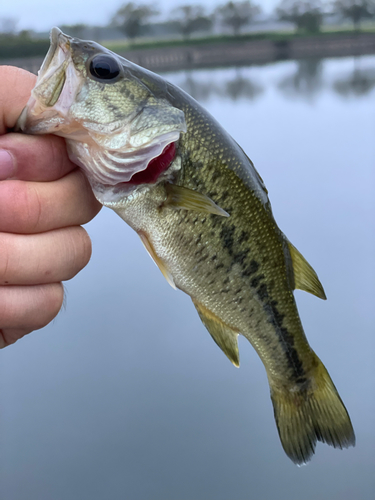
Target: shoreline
{"x":250,"y":52}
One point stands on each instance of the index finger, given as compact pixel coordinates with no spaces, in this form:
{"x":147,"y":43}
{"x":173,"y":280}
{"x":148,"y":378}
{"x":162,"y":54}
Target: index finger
{"x":32,"y":158}
{"x":15,"y":88}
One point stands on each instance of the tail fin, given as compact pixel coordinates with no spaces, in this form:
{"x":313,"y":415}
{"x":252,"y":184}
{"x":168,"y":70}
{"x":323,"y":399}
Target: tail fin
{"x":316,"y":413}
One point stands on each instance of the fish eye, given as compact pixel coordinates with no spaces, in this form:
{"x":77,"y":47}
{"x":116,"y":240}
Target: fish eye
{"x":104,"y":67}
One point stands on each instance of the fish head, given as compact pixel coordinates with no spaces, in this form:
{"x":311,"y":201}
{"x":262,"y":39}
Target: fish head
{"x":115,"y":116}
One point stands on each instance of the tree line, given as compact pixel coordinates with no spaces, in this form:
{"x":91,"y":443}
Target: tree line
{"x":132,"y":19}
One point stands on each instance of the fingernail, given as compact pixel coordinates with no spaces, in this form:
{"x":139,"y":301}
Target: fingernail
{"x":6,"y":165}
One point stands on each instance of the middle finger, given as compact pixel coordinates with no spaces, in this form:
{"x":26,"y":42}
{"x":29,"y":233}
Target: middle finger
{"x":34,"y":207}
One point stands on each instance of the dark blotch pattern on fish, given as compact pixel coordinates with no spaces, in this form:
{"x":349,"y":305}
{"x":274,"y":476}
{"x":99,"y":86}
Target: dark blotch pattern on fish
{"x":285,"y":338}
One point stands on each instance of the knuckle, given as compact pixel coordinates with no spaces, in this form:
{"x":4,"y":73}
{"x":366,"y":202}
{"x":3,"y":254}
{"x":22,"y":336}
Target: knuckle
{"x":57,"y":155}
{"x":34,"y":208}
{"x":9,"y":307}
{"x":25,"y":204}
{"x":5,"y":252}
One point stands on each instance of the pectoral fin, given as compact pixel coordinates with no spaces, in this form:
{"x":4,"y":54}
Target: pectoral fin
{"x":305,"y":278}
{"x":225,"y":337}
{"x":163,"y":268}
{"x":187,"y":199}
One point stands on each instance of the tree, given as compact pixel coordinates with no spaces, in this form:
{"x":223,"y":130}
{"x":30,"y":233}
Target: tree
{"x":190,"y":18}
{"x":131,"y":18}
{"x":306,"y":15}
{"x":355,"y":10}
{"x":237,"y":14}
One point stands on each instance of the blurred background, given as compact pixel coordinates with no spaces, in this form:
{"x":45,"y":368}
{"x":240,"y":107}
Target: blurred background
{"x":124,"y":395}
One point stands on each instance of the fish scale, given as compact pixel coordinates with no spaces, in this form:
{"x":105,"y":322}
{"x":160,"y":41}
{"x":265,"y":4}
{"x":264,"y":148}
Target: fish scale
{"x":204,"y":217}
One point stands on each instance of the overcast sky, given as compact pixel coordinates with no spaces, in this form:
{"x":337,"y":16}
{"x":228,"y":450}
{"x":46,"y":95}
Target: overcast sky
{"x":42,"y":15}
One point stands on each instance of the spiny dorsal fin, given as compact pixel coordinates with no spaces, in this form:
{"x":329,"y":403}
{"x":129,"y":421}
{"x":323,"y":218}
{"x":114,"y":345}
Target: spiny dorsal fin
{"x":225,"y":337}
{"x":305,"y":278}
{"x":181,"y":197}
{"x":163,"y":268}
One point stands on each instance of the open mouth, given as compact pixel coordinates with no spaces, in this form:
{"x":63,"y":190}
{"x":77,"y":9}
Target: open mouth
{"x":116,"y":159}
{"x":155,"y":167}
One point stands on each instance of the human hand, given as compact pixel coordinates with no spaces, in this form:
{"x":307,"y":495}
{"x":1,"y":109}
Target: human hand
{"x":43,"y":202}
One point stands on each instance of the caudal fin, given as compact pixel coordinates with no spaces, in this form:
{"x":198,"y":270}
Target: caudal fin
{"x":313,"y":414}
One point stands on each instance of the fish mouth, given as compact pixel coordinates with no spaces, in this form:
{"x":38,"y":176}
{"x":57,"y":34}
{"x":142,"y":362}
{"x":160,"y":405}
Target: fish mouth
{"x":115,"y":174}
{"x":54,"y":43}
{"x":116,"y":156}
{"x":156,"y":167}
{"x":55,"y":90}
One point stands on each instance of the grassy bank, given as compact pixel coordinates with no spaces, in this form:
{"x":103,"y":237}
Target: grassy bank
{"x":123,"y":46}
{"x":12,"y":47}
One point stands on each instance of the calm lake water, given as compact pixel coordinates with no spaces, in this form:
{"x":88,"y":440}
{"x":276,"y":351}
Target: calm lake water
{"x":126,"y":396}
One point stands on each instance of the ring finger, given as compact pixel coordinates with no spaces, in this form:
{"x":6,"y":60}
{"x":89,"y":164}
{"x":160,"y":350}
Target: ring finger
{"x":43,"y":258}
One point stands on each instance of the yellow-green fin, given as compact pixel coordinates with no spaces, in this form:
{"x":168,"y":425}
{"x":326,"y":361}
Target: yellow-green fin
{"x":225,"y":337}
{"x":163,"y":268}
{"x":187,"y":199}
{"x":312,"y":413}
{"x":305,"y":278}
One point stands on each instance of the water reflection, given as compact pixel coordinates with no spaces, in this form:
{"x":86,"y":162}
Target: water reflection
{"x":357,"y":83}
{"x":240,"y":86}
{"x":306,"y":82}
{"x":201,"y":91}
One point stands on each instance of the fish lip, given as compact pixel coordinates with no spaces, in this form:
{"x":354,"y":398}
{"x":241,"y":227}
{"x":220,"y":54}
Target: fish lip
{"x":58,"y":41}
{"x":45,"y":103}
{"x":54,"y":41}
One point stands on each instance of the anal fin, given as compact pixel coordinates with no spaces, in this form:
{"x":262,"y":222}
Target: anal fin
{"x":224,"y":336}
{"x":305,"y":278}
{"x":163,"y":268}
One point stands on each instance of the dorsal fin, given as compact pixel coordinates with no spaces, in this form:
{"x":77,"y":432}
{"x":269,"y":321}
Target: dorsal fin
{"x":305,"y":278}
{"x":225,"y":337}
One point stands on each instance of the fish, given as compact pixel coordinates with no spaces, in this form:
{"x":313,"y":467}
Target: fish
{"x":159,"y":160}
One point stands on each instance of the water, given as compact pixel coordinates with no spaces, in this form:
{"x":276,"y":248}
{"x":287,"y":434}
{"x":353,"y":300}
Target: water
{"x":125,"y":396}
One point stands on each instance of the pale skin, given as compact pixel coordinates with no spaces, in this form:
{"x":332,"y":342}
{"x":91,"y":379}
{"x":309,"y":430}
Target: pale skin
{"x":44,"y":199}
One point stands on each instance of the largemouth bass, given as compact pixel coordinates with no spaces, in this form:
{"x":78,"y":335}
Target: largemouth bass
{"x":168,"y":169}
